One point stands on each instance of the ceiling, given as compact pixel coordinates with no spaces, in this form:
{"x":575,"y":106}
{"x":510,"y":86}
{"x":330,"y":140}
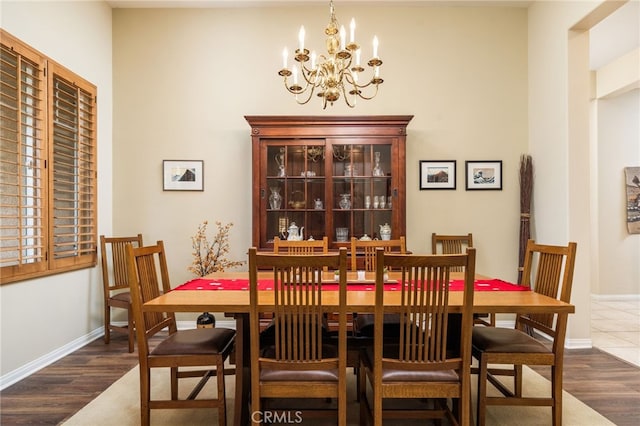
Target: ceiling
{"x":271,"y":3}
{"x":617,"y":34}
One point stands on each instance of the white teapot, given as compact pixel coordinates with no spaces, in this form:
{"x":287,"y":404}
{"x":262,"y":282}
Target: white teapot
{"x":385,"y":232}
{"x":294,"y":234}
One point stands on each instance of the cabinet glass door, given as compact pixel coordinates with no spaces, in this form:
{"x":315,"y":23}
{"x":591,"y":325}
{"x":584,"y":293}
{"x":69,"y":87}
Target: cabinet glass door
{"x":295,"y":182}
{"x":362,"y":190}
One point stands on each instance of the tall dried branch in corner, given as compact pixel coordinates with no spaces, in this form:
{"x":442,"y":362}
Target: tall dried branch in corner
{"x":526,"y":193}
{"x":211,"y":256}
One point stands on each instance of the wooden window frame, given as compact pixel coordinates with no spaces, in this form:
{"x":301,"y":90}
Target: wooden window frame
{"x":48,"y":173}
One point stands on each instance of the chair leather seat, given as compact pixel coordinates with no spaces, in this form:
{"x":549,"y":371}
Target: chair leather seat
{"x":299,"y":375}
{"x":398,"y":375}
{"x":124,"y":296}
{"x":199,"y":341}
{"x":509,"y":340}
{"x":363,"y":325}
{"x":328,"y":351}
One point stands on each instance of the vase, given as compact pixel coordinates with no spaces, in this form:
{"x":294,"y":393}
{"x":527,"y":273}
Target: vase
{"x":345,"y":201}
{"x":275,"y":199}
{"x":280,"y":162}
{"x":377,"y":170}
{"x":206,"y":320}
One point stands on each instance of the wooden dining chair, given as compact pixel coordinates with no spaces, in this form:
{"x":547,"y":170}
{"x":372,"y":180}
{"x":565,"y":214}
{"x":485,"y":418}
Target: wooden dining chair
{"x":418,"y":365}
{"x":306,"y":247}
{"x":548,"y":270}
{"x":300,"y":247}
{"x":452,"y":244}
{"x":363,"y":253}
{"x":207,"y":348}
{"x":363,"y":257}
{"x":301,"y":361}
{"x":115,"y":284}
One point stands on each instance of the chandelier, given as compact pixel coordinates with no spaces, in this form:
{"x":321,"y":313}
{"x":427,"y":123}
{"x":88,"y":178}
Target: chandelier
{"x":334,"y":74}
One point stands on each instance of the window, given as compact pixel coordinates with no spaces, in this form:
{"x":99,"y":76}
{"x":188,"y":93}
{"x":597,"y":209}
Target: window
{"x":48,"y":201}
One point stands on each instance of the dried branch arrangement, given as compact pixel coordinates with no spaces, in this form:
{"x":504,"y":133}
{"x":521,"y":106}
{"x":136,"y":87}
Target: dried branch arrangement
{"x":211,"y":256}
{"x":526,"y":192}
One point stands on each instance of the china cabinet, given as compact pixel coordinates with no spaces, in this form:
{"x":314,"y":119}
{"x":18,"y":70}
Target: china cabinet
{"x":334,"y":176}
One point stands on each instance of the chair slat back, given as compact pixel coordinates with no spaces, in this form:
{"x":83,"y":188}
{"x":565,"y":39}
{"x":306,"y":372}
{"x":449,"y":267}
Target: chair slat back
{"x":114,"y":261}
{"x":300,"y":247}
{"x":450,"y":244}
{"x":424,"y":311}
{"x":367,"y":251}
{"x":298,"y":306}
{"x":548,"y":270}
{"x":146,"y":284}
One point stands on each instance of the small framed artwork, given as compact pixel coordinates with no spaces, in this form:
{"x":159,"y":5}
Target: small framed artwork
{"x":632,"y":185}
{"x":183,"y":175}
{"x":485,"y":175}
{"x":437,"y":174}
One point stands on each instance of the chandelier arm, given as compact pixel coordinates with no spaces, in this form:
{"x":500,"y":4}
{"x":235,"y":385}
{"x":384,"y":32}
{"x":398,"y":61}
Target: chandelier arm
{"x":300,"y":92}
{"x":313,"y":88}
{"x":295,"y":92}
{"x":349,"y":78}
{"x":368,"y":98}
{"x":346,"y":98}
{"x":307,"y":72}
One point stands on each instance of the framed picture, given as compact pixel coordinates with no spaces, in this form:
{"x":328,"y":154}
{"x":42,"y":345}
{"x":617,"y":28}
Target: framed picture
{"x":632,"y":185}
{"x":437,"y":174}
{"x":483,"y":175}
{"x":183,"y":175}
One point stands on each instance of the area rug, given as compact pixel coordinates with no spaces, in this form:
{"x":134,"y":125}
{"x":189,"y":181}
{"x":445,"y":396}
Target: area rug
{"x":119,"y":405}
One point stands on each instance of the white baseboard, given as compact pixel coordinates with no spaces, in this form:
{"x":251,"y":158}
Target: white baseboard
{"x":615,"y":297}
{"x":568,"y":344}
{"x":506,"y":323}
{"x":45,"y":360}
{"x":578,"y":344}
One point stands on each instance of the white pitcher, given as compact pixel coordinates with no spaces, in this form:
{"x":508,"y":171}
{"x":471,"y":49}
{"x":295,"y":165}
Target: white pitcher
{"x":385,"y":232}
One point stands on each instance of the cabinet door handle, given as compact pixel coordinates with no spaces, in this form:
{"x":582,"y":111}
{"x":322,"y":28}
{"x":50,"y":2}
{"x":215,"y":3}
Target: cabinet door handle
{"x":262,"y":193}
{"x":395,"y":192}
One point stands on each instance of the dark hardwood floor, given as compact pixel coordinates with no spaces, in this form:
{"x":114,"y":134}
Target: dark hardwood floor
{"x":55,"y":393}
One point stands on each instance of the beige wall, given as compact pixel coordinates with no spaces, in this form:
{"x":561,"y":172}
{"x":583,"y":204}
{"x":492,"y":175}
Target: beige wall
{"x":618,"y":147}
{"x":616,"y":132}
{"x":43,"y":319}
{"x":184,"y":79}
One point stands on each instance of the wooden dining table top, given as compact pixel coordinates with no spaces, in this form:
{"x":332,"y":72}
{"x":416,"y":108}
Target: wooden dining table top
{"x":237,"y":301}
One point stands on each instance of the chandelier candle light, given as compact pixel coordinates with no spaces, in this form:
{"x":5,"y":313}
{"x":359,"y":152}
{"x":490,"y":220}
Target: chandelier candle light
{"x":332,"y":75}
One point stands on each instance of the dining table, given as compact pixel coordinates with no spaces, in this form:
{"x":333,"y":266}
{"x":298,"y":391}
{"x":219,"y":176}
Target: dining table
{"x":228,"y":293}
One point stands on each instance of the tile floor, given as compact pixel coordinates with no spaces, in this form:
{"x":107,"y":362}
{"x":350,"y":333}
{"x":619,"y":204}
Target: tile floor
{"x":615,"y":327}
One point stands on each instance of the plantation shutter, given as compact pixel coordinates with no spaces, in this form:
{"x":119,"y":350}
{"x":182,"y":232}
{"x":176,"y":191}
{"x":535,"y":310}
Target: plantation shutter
{"x":22,"y":161}
{"x":73,"y":171}
{"x":48,"y":179}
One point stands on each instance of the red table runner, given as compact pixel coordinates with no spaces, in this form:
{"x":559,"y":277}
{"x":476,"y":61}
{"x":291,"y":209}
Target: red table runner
{"x":267,"y":284}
